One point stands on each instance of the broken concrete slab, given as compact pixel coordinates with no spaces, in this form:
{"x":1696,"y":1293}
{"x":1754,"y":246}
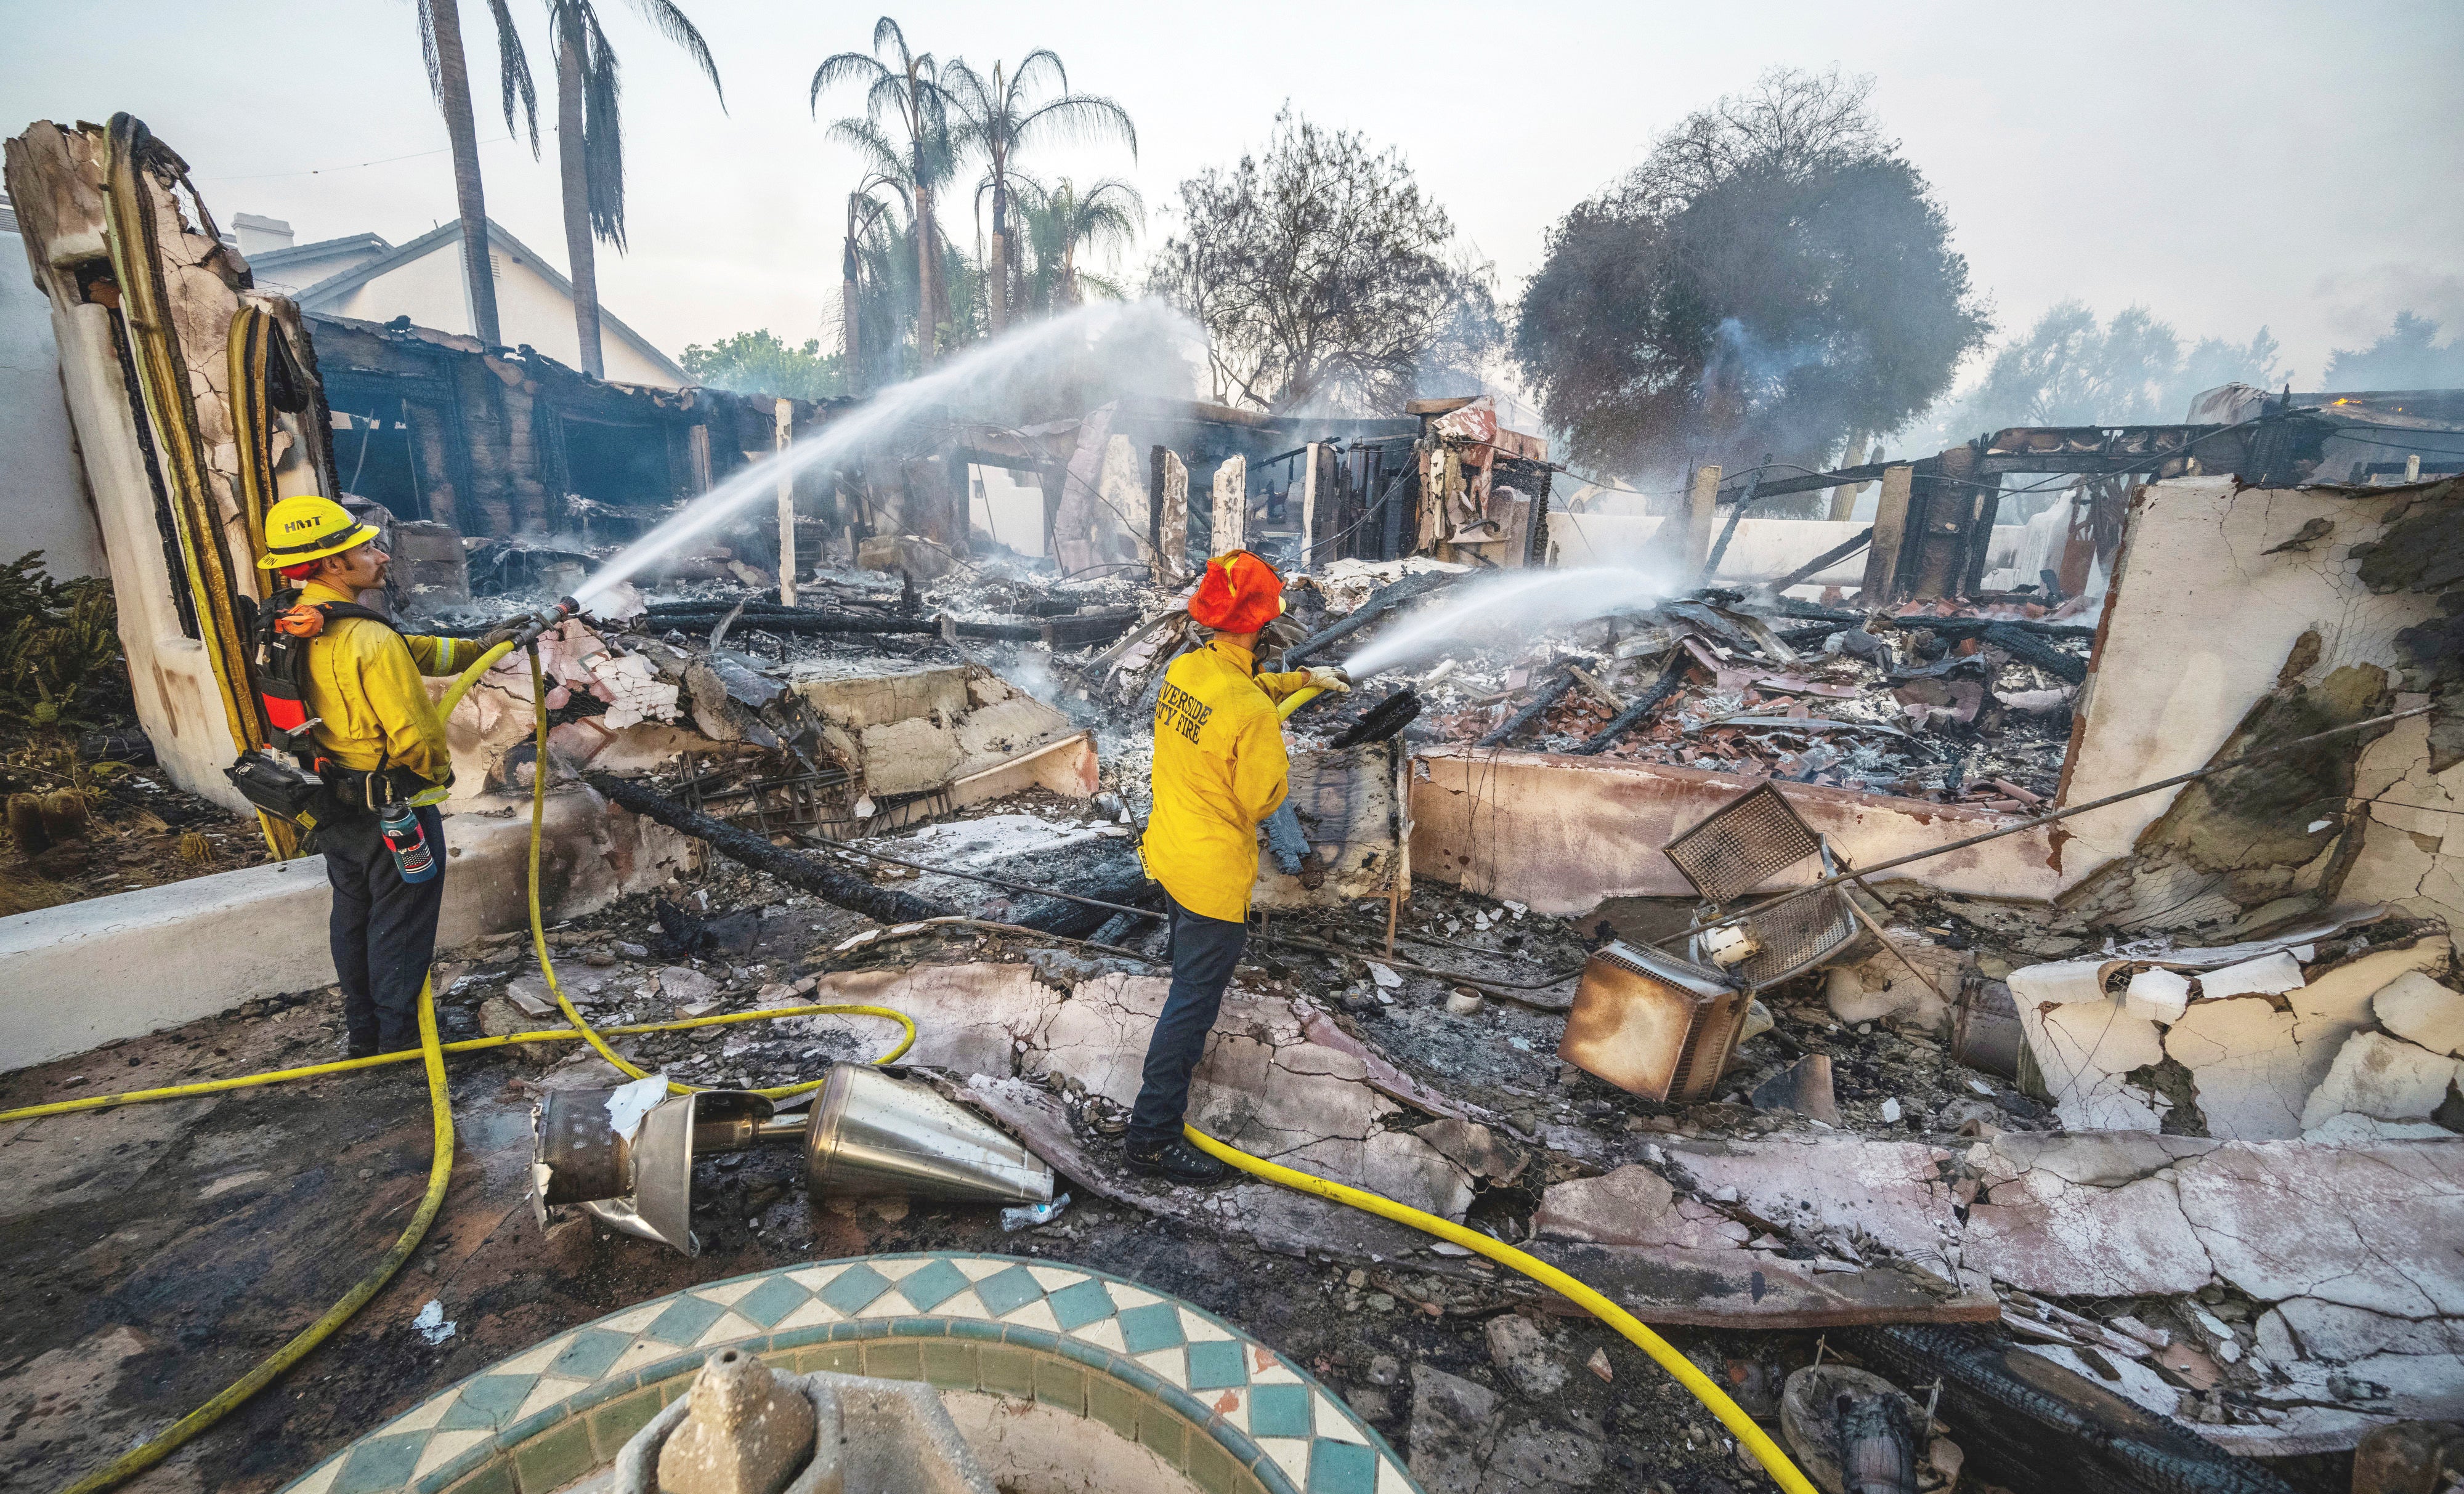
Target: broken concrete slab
{"x":2250,"y":1072}
{"x":2422,"y":1012}
{"x":2293,"y":1219}
{"x":1618,"y":1208}
{"x":2090,"y":1218}
{"x":2383,"y":1078}
{"x":1455,"y":1424}
{"x":1521,"y":1351}
{"x":1890,"y":1192}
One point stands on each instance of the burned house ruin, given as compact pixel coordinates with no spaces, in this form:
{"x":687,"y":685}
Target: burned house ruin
{"x":2016,"y":957}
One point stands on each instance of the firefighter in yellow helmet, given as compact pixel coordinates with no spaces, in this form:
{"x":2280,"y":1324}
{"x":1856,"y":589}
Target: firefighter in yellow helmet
{"x":1218,"y":771}
{"x":381,"y":748}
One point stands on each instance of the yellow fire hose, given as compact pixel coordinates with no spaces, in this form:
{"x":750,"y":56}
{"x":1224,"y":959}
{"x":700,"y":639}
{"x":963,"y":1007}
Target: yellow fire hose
{"x":440,"y":1164}
{"x":1756,"y":1441}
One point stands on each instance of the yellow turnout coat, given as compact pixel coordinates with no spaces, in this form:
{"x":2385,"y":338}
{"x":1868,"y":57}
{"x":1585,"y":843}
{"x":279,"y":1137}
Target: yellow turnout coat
{"x":1219,"y":770}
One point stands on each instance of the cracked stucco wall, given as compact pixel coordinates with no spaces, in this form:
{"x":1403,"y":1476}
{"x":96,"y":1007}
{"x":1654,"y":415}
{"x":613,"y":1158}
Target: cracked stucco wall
{"x":2210,"y":613}
{"x":2255,"y":1061}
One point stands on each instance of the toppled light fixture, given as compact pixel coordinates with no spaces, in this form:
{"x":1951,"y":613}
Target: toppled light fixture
{"x":1651,"y":1024}
{"x":1662,"y":1026}
{"x":871,"y":1134}
{"x":624,"y":1156}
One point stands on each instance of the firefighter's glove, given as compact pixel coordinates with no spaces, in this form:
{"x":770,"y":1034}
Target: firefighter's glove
{"x":504,"y":633}
{"x":1320,"y":677}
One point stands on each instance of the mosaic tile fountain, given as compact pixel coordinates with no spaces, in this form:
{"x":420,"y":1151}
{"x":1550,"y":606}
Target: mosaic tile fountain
{"x":1229,"y":1414}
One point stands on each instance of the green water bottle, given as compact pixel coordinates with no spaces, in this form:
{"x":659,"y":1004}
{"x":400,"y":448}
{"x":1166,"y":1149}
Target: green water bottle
{"x":412,"y":856}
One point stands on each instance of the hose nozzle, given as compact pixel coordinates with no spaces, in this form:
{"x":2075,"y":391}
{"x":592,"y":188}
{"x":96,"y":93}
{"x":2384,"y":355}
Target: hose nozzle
{"x":545,"y":618}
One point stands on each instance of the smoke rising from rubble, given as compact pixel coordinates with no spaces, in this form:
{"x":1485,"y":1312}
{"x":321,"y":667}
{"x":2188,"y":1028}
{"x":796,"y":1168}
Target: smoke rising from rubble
{"x":997,"y":381}
{"x":1516,"y":603}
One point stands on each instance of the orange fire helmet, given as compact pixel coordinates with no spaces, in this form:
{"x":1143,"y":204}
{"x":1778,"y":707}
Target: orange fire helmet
{"x":1240,"y":593}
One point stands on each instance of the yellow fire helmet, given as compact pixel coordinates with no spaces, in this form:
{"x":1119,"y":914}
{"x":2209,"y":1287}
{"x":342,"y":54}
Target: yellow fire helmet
{"x":308,"y":528}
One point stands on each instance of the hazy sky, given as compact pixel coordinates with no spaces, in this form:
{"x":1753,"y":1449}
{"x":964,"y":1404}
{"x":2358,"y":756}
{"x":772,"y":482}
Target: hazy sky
{"x":2227,"y":165}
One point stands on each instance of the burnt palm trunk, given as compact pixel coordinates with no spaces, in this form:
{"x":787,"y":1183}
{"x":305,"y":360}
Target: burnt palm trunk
{"x":850,"y":318}
{"x":581,"y":255}
{"x":925,"y":278}
{"x":999,"y":305}
{"x":453,"y":84}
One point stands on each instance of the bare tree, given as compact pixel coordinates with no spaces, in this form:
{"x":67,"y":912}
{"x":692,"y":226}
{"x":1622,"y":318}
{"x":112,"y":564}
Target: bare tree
{"x":449,"y":79}
{"x":590,"y":143}
{"x":1318,"y":272}
{"x":1000,"y":119}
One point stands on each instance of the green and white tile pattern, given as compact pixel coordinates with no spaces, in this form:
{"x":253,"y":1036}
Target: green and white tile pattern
{"x":1232,"y":1413}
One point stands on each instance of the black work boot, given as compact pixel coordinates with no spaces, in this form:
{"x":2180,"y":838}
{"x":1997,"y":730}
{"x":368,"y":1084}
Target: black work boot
{"x":1176,"y":1159}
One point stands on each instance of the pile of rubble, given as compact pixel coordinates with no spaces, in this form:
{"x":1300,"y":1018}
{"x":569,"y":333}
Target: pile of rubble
{"x":1962,"y":704}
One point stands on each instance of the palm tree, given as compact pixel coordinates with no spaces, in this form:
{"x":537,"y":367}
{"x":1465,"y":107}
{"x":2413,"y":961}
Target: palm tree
{"x":864,"y":212}
{"x":1106,"y":218}
{"x":590,"y":143}
{"x":449,"y":79}
{"x":998,"y":118}
{"x":911,"y":91}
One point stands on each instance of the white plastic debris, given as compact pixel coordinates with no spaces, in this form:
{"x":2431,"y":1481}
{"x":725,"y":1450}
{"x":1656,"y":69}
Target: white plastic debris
{"x":1386,"y":979}
{"x":2157,"y":995}
{"x":1033,"y":1214}
{"x":2269,"y":975}
{"x":630,"y":1101}
{"x":431,"y":1323}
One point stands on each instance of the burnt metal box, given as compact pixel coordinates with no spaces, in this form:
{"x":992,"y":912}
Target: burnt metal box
{"x":1653,"y":1024}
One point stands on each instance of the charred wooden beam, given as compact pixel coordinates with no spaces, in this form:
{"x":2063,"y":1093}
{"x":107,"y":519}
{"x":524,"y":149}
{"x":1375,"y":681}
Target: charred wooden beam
{"x":2028,"y":648}
{"x":1672,"y":678}
{"x":1827,"y":558}
{"x":820,"y":878}
{"x":1539,"y":706}
{"x":2031,"y":1425}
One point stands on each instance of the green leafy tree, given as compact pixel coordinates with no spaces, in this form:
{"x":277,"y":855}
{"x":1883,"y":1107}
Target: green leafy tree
{"x":1063,"y":223}
{"x":761,"y":362}
{"x":2407,"y":356}
{"x":999,"y":117}
{"x":2071,"y":369}
{"x":60,"y":661}
{"x":1319,"y":271}
{"x":1771,"y":279}
{"x":591,"y":141}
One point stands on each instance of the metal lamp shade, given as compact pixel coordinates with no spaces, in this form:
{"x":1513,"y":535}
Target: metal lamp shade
{"x":875,"y":1134}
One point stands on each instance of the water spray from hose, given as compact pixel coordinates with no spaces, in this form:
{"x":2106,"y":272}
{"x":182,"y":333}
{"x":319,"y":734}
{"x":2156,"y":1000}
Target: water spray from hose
{"x":1527,"y":602}
{"x":1003,"y":373}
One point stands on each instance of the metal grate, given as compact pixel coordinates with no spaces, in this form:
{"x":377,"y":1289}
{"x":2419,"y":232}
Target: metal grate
{"x":1740,"y":845}
{"x":1796,"y":936}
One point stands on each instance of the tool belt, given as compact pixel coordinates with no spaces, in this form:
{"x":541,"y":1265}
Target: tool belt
{"x":332,"y":795}
{"x":356,"y":792}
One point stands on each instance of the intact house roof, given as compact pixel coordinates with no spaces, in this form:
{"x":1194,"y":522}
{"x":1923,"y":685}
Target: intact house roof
{"x":328,"y":293}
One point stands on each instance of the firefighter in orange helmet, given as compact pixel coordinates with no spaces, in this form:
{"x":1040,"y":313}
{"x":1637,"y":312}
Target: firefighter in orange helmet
{"x":1218,"y":771}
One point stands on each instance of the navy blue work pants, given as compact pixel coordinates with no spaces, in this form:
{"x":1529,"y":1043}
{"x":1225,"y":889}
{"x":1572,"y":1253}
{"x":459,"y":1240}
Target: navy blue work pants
{"x":384,"y":929}
{"x":1203,"y":952}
